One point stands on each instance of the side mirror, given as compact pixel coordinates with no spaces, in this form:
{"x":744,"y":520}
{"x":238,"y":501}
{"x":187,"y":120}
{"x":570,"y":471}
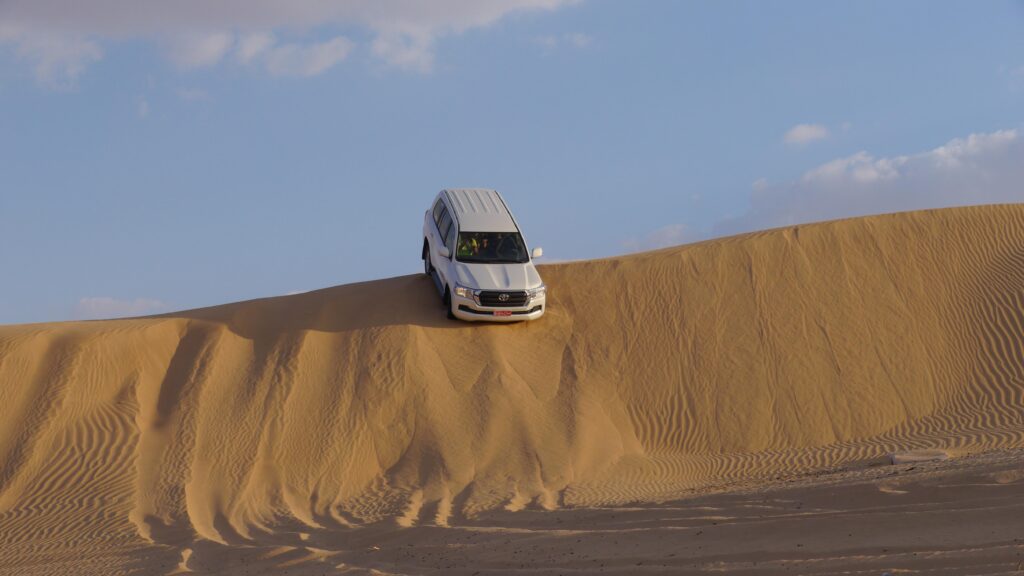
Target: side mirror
{"x":538,"y":252}
{"x":443,"y":251}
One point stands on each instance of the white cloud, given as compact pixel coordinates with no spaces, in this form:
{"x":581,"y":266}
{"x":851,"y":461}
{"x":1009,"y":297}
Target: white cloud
{"x":252,"y":45}
{"x":57,"y":59}
{"x":310,"y":60}
{"x":804,"y":133}
{"x":95,"y":308}
{"x":976,"y":146}
{"x":201,"y":33}
{"x":291,"y":59}
{"x":410,"y":50}
{"x":861,"y":167}
{"x":671,"y":235}
{"x":979,"y":169}
{"x":201,"y":50}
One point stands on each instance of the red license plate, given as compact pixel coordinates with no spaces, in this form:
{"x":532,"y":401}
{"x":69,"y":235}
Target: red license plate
{"x":502,"y":313}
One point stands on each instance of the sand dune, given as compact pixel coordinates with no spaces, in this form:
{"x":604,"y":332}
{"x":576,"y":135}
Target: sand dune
{"x":146,"y":445}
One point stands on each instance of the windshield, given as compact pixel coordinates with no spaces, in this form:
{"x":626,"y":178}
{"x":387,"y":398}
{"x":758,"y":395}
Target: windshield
{"x":491,"y":248}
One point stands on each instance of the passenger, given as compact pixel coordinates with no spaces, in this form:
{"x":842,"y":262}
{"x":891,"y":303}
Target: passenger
{"x":469,"y":247}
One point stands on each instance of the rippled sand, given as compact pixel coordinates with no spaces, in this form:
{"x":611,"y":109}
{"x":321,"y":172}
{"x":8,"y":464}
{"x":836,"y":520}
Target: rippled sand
{"x":299,"y":433}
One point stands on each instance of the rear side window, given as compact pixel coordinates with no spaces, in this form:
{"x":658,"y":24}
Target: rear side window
{"x":445,"y":225}
{"x":438,"y":207}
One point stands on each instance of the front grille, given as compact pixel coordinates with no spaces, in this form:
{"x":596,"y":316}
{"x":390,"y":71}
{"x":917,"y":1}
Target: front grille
{"x":498,"y":299}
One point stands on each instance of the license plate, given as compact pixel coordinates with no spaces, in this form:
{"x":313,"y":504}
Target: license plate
{"x":502,"y":313}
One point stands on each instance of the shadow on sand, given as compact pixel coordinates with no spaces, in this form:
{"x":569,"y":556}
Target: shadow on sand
{"x":404,"y":300}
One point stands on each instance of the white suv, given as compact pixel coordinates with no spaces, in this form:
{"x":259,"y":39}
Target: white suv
{"x":473,"y":250}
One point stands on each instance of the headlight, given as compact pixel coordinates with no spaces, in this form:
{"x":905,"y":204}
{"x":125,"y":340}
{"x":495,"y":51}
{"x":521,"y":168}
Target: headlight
{"x":463,"y":292}
{"x":537,"y":292}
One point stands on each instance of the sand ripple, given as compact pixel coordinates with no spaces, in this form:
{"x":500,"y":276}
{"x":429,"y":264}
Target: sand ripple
{"x":790,"y":350}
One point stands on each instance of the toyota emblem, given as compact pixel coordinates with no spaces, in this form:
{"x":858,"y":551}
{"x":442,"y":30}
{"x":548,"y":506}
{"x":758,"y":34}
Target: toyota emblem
{"x":503,"y":297}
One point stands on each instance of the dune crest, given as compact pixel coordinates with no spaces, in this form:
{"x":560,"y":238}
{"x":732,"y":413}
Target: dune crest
{"x":653,"y":374}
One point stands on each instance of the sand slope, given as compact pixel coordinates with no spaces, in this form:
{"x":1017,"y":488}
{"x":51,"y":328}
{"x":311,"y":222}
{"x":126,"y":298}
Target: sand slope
{"x":132,"y":444}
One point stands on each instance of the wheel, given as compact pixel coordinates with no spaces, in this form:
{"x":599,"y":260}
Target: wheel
{"x":428,"y":268}
{"x":448,"y":304}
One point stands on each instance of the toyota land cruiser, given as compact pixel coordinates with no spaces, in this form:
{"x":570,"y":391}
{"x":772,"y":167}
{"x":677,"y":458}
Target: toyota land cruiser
{"x":476,"y":255}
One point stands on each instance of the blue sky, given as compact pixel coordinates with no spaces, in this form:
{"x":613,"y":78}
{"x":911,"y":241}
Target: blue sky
{"x":166,"y":155}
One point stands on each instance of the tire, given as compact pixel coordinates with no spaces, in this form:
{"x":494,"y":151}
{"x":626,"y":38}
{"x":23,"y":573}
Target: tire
{"x":428,"y":268}
{"x":448,"y":304}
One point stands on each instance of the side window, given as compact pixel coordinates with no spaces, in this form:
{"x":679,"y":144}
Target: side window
{"x":449,"y":240}
{"x":438,"y":207}
{"x":445,"y":225}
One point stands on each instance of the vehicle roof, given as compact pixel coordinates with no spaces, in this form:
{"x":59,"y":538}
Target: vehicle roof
{"x":480,"y":210}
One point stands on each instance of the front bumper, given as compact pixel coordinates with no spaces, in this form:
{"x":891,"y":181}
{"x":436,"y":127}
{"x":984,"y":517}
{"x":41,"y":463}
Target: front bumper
{"x":468,"y":309}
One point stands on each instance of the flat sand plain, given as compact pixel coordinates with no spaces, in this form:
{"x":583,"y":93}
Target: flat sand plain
{"x":776,"y":402}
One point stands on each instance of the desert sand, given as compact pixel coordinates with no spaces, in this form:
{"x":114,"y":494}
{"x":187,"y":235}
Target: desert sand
{"x":837,"y":397}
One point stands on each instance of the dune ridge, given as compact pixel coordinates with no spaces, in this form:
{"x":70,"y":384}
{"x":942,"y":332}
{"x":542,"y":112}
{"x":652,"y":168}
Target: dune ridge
{"x":651,"y":375}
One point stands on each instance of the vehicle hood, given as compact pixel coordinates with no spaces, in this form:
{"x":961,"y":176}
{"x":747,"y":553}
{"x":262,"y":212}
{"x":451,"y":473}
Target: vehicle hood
{"x":497,"y":276}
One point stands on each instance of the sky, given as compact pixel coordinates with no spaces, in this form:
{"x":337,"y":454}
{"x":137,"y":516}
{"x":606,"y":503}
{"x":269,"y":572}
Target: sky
{"x":158,"y":156}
